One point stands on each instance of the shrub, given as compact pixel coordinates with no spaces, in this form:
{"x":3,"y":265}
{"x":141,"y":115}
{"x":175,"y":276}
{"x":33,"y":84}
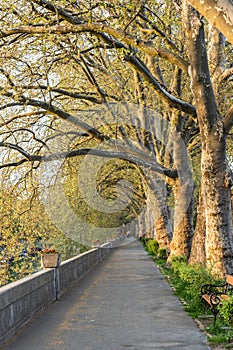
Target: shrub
{"x":190,"y":278}
{"x":177,"y":261}
{"x":152,"y":247}
{"x":162,"y":253}
{"x":145,"y":240}
{"x":226,"y":310}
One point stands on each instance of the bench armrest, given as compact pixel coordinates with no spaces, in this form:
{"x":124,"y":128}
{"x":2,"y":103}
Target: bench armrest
{"x":212,"y":288}
{"x":216,"y":298}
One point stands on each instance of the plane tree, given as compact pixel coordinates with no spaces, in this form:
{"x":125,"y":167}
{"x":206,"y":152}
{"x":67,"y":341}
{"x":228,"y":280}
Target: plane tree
{"x":68,"y":62}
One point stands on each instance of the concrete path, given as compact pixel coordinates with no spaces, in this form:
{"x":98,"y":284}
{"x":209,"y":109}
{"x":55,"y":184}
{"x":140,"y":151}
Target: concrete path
{"x":123,"y":303}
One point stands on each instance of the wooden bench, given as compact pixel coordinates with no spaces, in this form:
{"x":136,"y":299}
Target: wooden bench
{"x":212,"y":295}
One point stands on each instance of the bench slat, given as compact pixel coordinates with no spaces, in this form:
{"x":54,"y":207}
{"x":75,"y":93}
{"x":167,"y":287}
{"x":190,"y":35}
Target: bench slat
{"x":206,"y":297}
{"x":229,"y":280}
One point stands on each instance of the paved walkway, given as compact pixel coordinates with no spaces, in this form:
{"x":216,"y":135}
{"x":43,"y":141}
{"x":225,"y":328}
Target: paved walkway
{"x":123,"y":303}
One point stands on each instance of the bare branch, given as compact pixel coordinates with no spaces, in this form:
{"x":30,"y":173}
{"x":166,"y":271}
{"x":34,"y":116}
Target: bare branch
{"x":60,"y":113}
{"x":13,"y":164}
{"x":162,"y":93}
{"x":19,"y":116}
{"x":228,"y":120}
{"x":226,"y":74}
{"x":16,"y":148}
{"x":86,"y":96}
{"x":97,"y":28}
{"x":153,"y":165}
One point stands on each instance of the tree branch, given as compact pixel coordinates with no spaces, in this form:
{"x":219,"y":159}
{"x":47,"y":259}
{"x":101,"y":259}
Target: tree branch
{"x":226,"y":74}
{"x":64,"y":92}
{"x":219,"y":13}
{"x":13,"y":164}
{"x":96,"y":28}
{"x":60,"y":113}
{"x":172,"y":173}
{"x":16,"y":148}
{"x":228,"y":120}
{"x":161,"y":92}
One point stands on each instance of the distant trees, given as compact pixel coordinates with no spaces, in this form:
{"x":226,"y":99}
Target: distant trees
{"x":26,"y":229}
{"x":124,"y":80}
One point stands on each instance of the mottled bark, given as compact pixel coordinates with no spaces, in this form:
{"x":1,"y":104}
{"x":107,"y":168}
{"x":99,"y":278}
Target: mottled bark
{"x":198,"y":254}
{"x":219,"y":13}
{"x":183,"y":195}
{"x":149,"y":222}
{"x":214,"y":169}
{"x":219,"y":234}
{"x":216,"y":45}
{"x":159,"y":210}
{"x":142,"y":224}
{"x":161,"y":232}
{"x":183,"y":221}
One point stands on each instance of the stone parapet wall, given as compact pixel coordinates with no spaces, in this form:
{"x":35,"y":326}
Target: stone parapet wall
{"x":21,"y":300}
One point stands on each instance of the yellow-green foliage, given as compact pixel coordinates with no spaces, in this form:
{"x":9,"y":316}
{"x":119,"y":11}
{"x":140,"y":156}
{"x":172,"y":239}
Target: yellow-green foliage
{"x":162,"y":253}
{"x":152,"y":247}
{"x":226,"y":310}
{"x":188,"y":280}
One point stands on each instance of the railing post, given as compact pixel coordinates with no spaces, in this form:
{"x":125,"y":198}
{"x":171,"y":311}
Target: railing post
{"x":56,"y":282}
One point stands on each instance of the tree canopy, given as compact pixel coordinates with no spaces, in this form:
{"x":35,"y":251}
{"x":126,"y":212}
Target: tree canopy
{"x":126,"y":94}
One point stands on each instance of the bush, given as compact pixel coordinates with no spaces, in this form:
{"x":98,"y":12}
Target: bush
{"x":145,"y":240}
{"x":226,"y":311}
{"x":162,"y":253}
{"x":189,"y":280}
{"x":177,"y":261}
{"x":152,"y":247}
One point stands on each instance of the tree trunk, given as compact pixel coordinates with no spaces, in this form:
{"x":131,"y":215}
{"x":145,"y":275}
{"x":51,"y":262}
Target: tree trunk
{"x":183,"y":195}
{"x":216,"y":44}
{"x":219,"y":235}
{"x":161,"y":231}
{"x":198,"y":254}
{"x":134,"y":228}
{"x":149,"y":220}
{"x":219,"y":13}
{"x":142,"y":224}
{"x":159,"y":209}
{"x":183,"y":221}
{"x":216,"y":189}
